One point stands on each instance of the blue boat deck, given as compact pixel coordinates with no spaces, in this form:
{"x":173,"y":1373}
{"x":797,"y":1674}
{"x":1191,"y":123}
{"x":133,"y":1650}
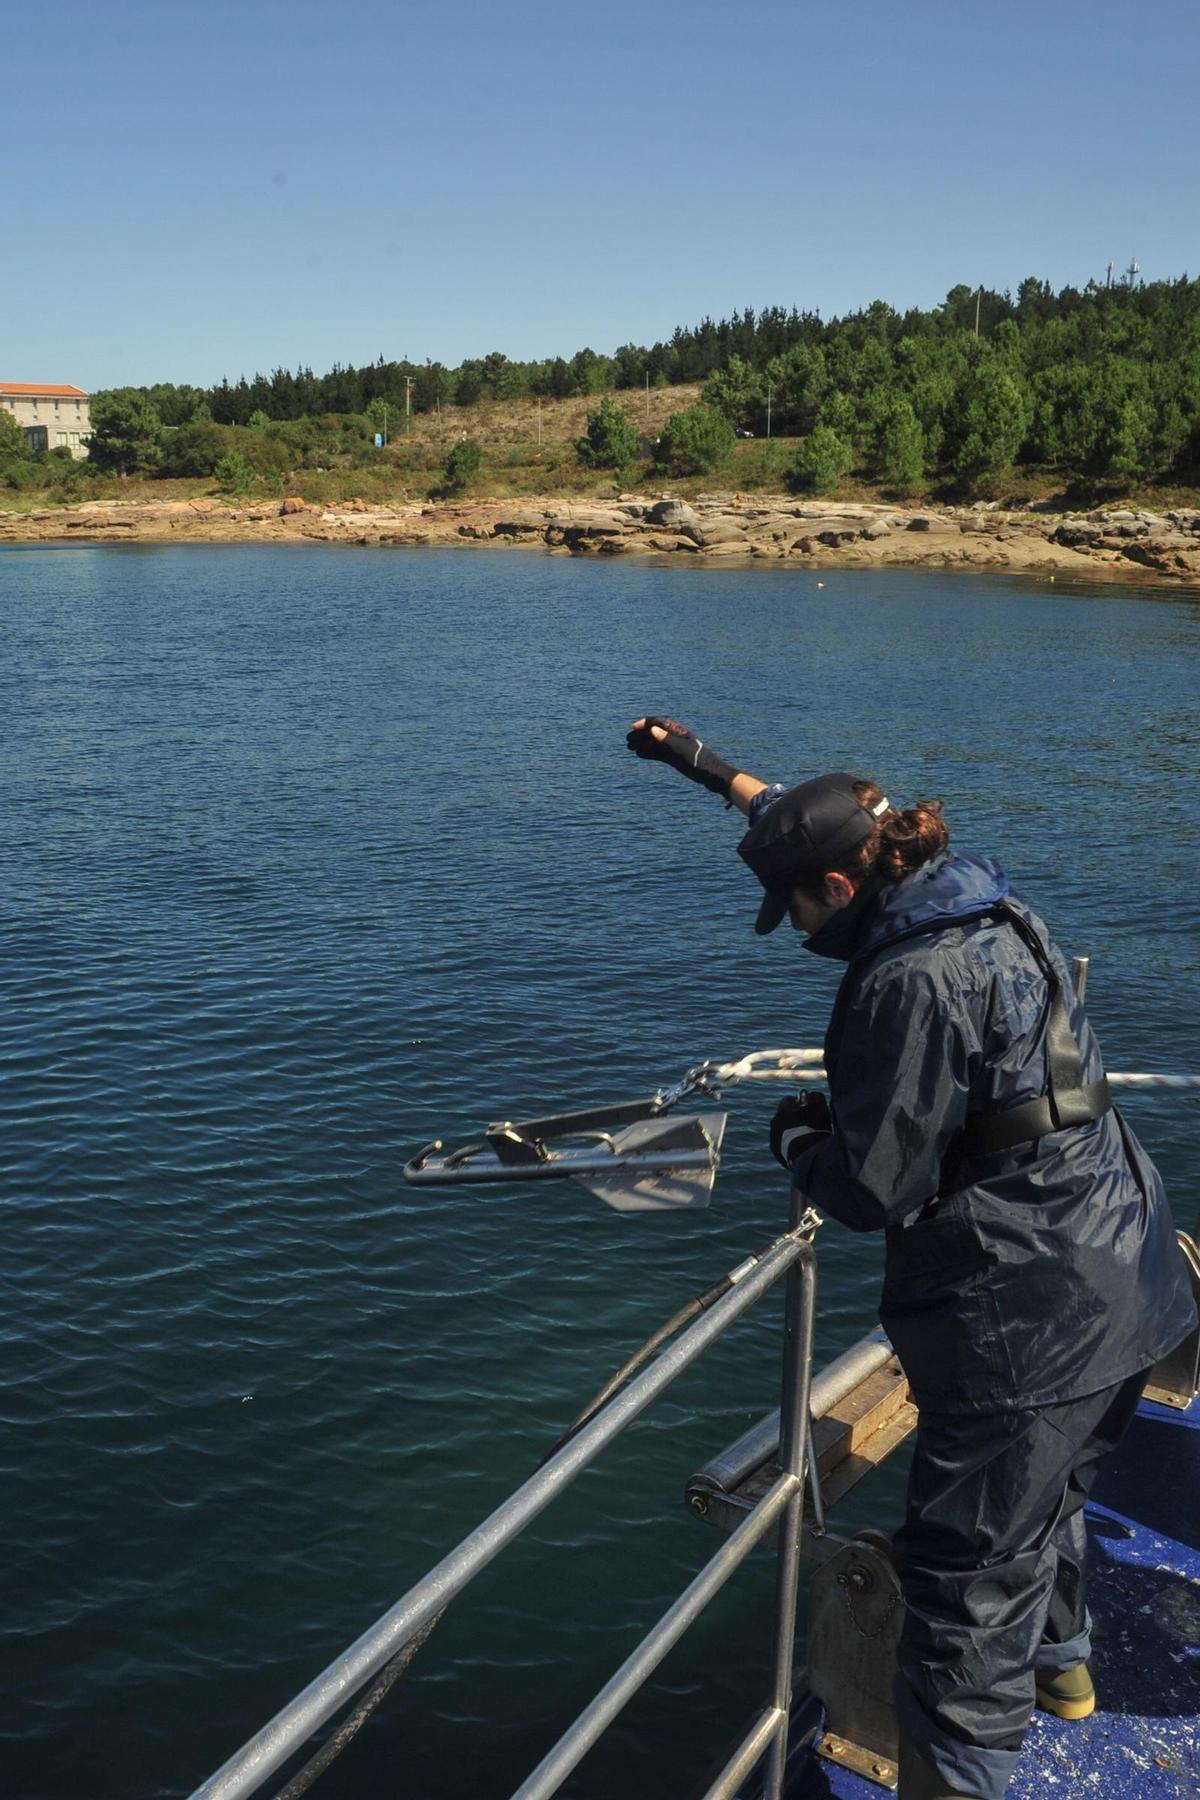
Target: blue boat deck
{"x":1143,"y":1741}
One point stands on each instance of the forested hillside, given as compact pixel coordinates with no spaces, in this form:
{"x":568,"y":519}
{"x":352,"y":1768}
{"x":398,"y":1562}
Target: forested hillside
{"x":1098,"y":388}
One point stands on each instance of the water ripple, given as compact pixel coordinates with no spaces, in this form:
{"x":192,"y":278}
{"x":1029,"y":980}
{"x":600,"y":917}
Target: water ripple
{"x":310,"y":859}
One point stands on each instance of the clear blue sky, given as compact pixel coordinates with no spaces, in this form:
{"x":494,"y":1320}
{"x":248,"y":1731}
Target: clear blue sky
{"x":209,"y":190}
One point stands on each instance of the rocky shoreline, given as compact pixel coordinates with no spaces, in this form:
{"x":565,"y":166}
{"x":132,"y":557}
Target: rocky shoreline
{"x":1114,"y":542}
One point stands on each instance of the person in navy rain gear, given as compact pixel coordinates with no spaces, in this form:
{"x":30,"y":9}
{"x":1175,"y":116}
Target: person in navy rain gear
{"x":1032,"y":1275}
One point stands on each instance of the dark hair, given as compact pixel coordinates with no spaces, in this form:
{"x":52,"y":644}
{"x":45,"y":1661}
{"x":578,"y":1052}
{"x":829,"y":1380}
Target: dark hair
{"x":900,"y":843}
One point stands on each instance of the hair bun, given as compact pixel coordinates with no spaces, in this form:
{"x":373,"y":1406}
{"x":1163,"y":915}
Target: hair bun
{"x":904,"y":838}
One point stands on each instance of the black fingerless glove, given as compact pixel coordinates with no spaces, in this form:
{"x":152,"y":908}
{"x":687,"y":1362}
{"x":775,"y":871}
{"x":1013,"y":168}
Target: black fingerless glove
{"x":683,"y":750}
{"x":799,"y":1121}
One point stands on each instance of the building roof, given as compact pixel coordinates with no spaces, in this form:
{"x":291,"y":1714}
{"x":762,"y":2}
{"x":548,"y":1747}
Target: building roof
{"x":41,"y":390}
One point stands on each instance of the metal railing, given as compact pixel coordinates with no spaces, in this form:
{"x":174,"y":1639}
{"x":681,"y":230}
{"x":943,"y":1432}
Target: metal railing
{"x":780,"y":1509}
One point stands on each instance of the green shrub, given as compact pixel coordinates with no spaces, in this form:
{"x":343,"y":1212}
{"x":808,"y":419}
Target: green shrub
{"x":194,"y":449}
{"x":234,"y":474}
{"x":839,"y":412}
{"x":611,"y":441}
{"x":993,"y":416}
{"x":821,"y":461}
{"x":462,"y":464}
{"x":126,"y":431}
{"x":13,"y":446}
{"x":739,"y":391}
{"x":695,"y":442}
{"x":898,"y":452}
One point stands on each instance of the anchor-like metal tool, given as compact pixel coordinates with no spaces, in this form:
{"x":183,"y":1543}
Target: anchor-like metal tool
{"x":628,"y":1153}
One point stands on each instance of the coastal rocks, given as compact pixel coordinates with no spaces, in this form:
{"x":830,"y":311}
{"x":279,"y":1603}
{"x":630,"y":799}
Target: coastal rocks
{"x":824,"y":509}
{"x":670,"y":545}
{"x":1078,"y":533}
{"x":528,"y":521}
{"x":710,"y":534}
{"x":588,"y":530}
{"x":1118,"y":542}
{"x":738,"y":546}
{"x":675,"y":513}
{"x":1164,"y":543}
{"x":1124,"y":521}
{"x":594,"y":521}
{"x":1168,"y":553}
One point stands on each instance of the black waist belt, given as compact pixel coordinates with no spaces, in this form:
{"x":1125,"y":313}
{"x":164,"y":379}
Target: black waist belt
{"x":1067,"y":1101}
{"x":1033,"y":1119}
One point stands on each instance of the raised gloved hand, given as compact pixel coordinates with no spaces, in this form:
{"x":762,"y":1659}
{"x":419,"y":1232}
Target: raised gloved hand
{"x":683,"y":750}
{"x":799,"y":1120}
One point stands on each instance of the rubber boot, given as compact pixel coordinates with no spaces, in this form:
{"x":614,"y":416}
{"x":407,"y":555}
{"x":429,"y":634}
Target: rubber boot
{"x":1068,"y":1693}
{"x":919,"y":1782}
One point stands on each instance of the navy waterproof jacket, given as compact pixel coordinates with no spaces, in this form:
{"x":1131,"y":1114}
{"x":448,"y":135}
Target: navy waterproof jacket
{"x":1020,"y":1277}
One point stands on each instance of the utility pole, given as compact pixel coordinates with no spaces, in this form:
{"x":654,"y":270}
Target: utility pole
{"x":647,"y":399}
{"x":978,"y":297}
{"x":407,"y":398}
{"x":385,"y":424}
{"x":768,"y":411}
{"x":539,"y":400}
{"x":1108,"y":280}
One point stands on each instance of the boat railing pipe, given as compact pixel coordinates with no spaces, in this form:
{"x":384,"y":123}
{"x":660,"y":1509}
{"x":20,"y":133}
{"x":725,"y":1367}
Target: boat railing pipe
{"x":728,"y":1470}
{"x":794,"y":1444}
{"x":332,"y":1690}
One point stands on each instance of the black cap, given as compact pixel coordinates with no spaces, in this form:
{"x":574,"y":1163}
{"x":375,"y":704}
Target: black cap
{"x":804,"y":832}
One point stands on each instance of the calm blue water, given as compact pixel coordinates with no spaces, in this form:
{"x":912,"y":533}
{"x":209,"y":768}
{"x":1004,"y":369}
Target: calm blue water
{"x":313,"y":855}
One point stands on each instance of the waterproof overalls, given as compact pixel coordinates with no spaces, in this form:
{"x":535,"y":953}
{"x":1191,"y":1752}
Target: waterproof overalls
{"x":1027,"y":1290}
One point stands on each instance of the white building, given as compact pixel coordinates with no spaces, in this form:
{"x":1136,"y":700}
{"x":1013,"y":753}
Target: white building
{"x":51,"y":417}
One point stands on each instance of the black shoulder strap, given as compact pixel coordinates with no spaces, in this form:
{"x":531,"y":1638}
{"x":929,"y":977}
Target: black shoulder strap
{"x":1067,"y":1101}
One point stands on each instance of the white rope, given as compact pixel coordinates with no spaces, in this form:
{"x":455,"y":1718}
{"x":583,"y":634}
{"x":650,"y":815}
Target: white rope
{"x":808,"y":1065}
{"x":1187,"y":1083}
{"x":786,"y":1062}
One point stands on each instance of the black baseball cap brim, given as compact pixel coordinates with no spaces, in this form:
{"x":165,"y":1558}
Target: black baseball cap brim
{"x":803,"y":833}
{"x":773,"y":911}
